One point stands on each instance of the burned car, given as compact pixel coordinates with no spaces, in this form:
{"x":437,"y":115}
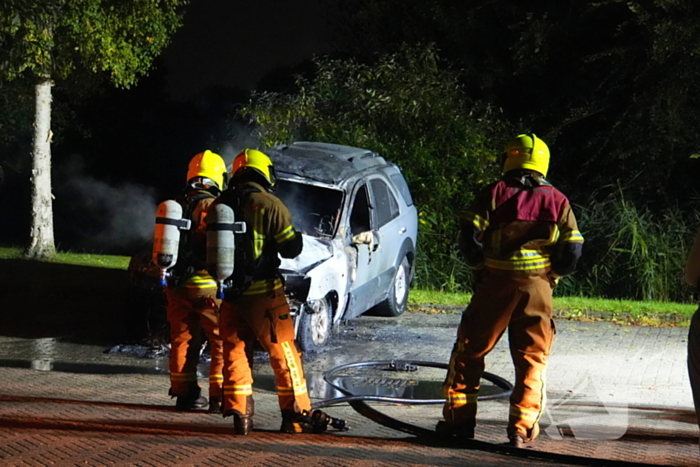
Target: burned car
{"x":359,"y":228}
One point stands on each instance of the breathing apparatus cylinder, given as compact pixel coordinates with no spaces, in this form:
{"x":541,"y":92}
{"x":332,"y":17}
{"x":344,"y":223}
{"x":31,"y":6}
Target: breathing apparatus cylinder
{"x":166,"y":238}
{"x":221,"y":244}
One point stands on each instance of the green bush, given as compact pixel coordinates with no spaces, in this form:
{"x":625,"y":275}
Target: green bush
{"x":631,"y":252}
{"x":412,"y":111}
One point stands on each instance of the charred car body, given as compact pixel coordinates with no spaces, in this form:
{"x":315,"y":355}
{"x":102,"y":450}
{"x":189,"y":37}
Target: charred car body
{"x":359,"y":228}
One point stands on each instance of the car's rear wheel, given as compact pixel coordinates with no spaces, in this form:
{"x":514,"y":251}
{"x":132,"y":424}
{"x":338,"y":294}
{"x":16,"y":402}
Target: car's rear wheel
{"x":396,"y":303}
{"x":315,"y":328}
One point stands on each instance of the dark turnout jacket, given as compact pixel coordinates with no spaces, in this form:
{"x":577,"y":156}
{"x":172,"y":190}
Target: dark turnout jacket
{"x":269,"y":228}
{"x":521,"y":224}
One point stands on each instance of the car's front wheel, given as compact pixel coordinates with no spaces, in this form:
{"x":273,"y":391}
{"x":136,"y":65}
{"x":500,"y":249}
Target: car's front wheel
{"x":396,"y":302}
{"x":316,"y":322}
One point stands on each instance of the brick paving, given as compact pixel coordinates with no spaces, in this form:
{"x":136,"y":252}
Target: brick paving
{"x":618,"y":393}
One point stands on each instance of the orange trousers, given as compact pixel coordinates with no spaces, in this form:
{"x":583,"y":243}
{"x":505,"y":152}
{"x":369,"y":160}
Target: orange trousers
{"x":523,"y":305}
{"x":265,"y":317}
{"x":191,"y":310}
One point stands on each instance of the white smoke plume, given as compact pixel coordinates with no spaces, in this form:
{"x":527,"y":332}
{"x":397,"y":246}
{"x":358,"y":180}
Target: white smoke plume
{"x":117,"y":217}
{"x":240,"y":138}
{"x":98,"y":216}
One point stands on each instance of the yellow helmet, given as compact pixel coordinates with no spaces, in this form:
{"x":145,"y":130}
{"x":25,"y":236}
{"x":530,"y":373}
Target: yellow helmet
{"x":252,"y":159}
{"x":527,"y":152}
{"x":208,"y":165}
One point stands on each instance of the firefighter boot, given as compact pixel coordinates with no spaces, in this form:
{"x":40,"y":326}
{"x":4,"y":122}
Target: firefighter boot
{"x":214,"y":404}
{"x":516,"y":441}
{"x":520,"y":440}
{"x":192,"y":400}
{"x":295,"y":422}
{"x":243,"y":423}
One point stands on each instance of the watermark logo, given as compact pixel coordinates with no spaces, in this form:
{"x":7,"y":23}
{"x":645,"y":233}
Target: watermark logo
{"x":589,"y":409}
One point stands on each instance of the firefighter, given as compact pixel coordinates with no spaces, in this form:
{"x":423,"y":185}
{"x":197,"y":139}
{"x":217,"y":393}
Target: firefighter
{"x":692,"y":277}
{"x":191,"y":292}
{"x":520,"y":236}
{"x":261,"y":311}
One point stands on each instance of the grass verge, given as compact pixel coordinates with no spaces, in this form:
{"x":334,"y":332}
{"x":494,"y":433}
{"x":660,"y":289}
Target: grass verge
{"x":625,"y":312}
{"x":78,"y":259}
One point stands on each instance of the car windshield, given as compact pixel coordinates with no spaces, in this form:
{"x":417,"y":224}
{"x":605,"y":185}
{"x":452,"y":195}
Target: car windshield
{"x":315,"y":209}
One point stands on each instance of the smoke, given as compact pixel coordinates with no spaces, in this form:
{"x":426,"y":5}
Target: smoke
{"x":98,"y":216}
{"x":241,"y":138}
{"x":110,"y":217}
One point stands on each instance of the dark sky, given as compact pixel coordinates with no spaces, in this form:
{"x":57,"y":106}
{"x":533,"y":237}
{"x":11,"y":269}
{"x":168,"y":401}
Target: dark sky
{"x":236,"y":43}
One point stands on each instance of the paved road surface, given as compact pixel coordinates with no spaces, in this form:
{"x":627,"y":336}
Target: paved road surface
{"x":618,"y":393}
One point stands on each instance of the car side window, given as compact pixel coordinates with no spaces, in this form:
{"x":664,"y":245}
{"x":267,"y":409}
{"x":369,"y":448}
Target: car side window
{"x":401,"y":185}
{"x":360,"y":214}
{"x":385,"y":204}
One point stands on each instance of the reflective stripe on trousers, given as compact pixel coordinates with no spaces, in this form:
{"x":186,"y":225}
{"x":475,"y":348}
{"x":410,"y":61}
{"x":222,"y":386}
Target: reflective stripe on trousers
{"x":523,"y":305}
{"x":265,"y":317}
{"x":189,"y":312}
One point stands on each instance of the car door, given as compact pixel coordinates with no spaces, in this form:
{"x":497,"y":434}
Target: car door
{"x":363,"y":248}
{"x":390,"y":234}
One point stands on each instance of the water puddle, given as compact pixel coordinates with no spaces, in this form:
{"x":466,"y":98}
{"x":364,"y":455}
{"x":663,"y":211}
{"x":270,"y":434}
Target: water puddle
{"x":44,"y":364}
{"x":411,"y":382}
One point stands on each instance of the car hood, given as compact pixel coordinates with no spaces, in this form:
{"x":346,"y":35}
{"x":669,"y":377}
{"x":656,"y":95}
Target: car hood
{"x":314,"y":252}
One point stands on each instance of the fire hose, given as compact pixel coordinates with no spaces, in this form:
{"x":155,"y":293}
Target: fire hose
{"x":359,"y":403}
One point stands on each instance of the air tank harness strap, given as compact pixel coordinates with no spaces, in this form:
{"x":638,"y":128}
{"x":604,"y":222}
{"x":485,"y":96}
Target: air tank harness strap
{"x":182,"y":224}
{"x":236,"y":227}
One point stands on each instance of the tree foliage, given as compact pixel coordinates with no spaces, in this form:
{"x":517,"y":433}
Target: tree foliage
{"x":611,"y":85}
{"x":55,"y":37}
{"x":16,"y":106}
{"x":412,"y":110}
{"x":48,"y":40}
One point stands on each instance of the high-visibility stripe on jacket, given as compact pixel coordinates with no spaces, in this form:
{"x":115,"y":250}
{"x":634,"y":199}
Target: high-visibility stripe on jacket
{"x":273,"y":234}
{"x":263,"y":286}
{"x":198,"y":239}
{"x":522,"y":224}
{"x":200,"y":280}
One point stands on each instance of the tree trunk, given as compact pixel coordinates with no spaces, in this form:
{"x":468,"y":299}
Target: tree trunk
{"x":41,"y":241}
